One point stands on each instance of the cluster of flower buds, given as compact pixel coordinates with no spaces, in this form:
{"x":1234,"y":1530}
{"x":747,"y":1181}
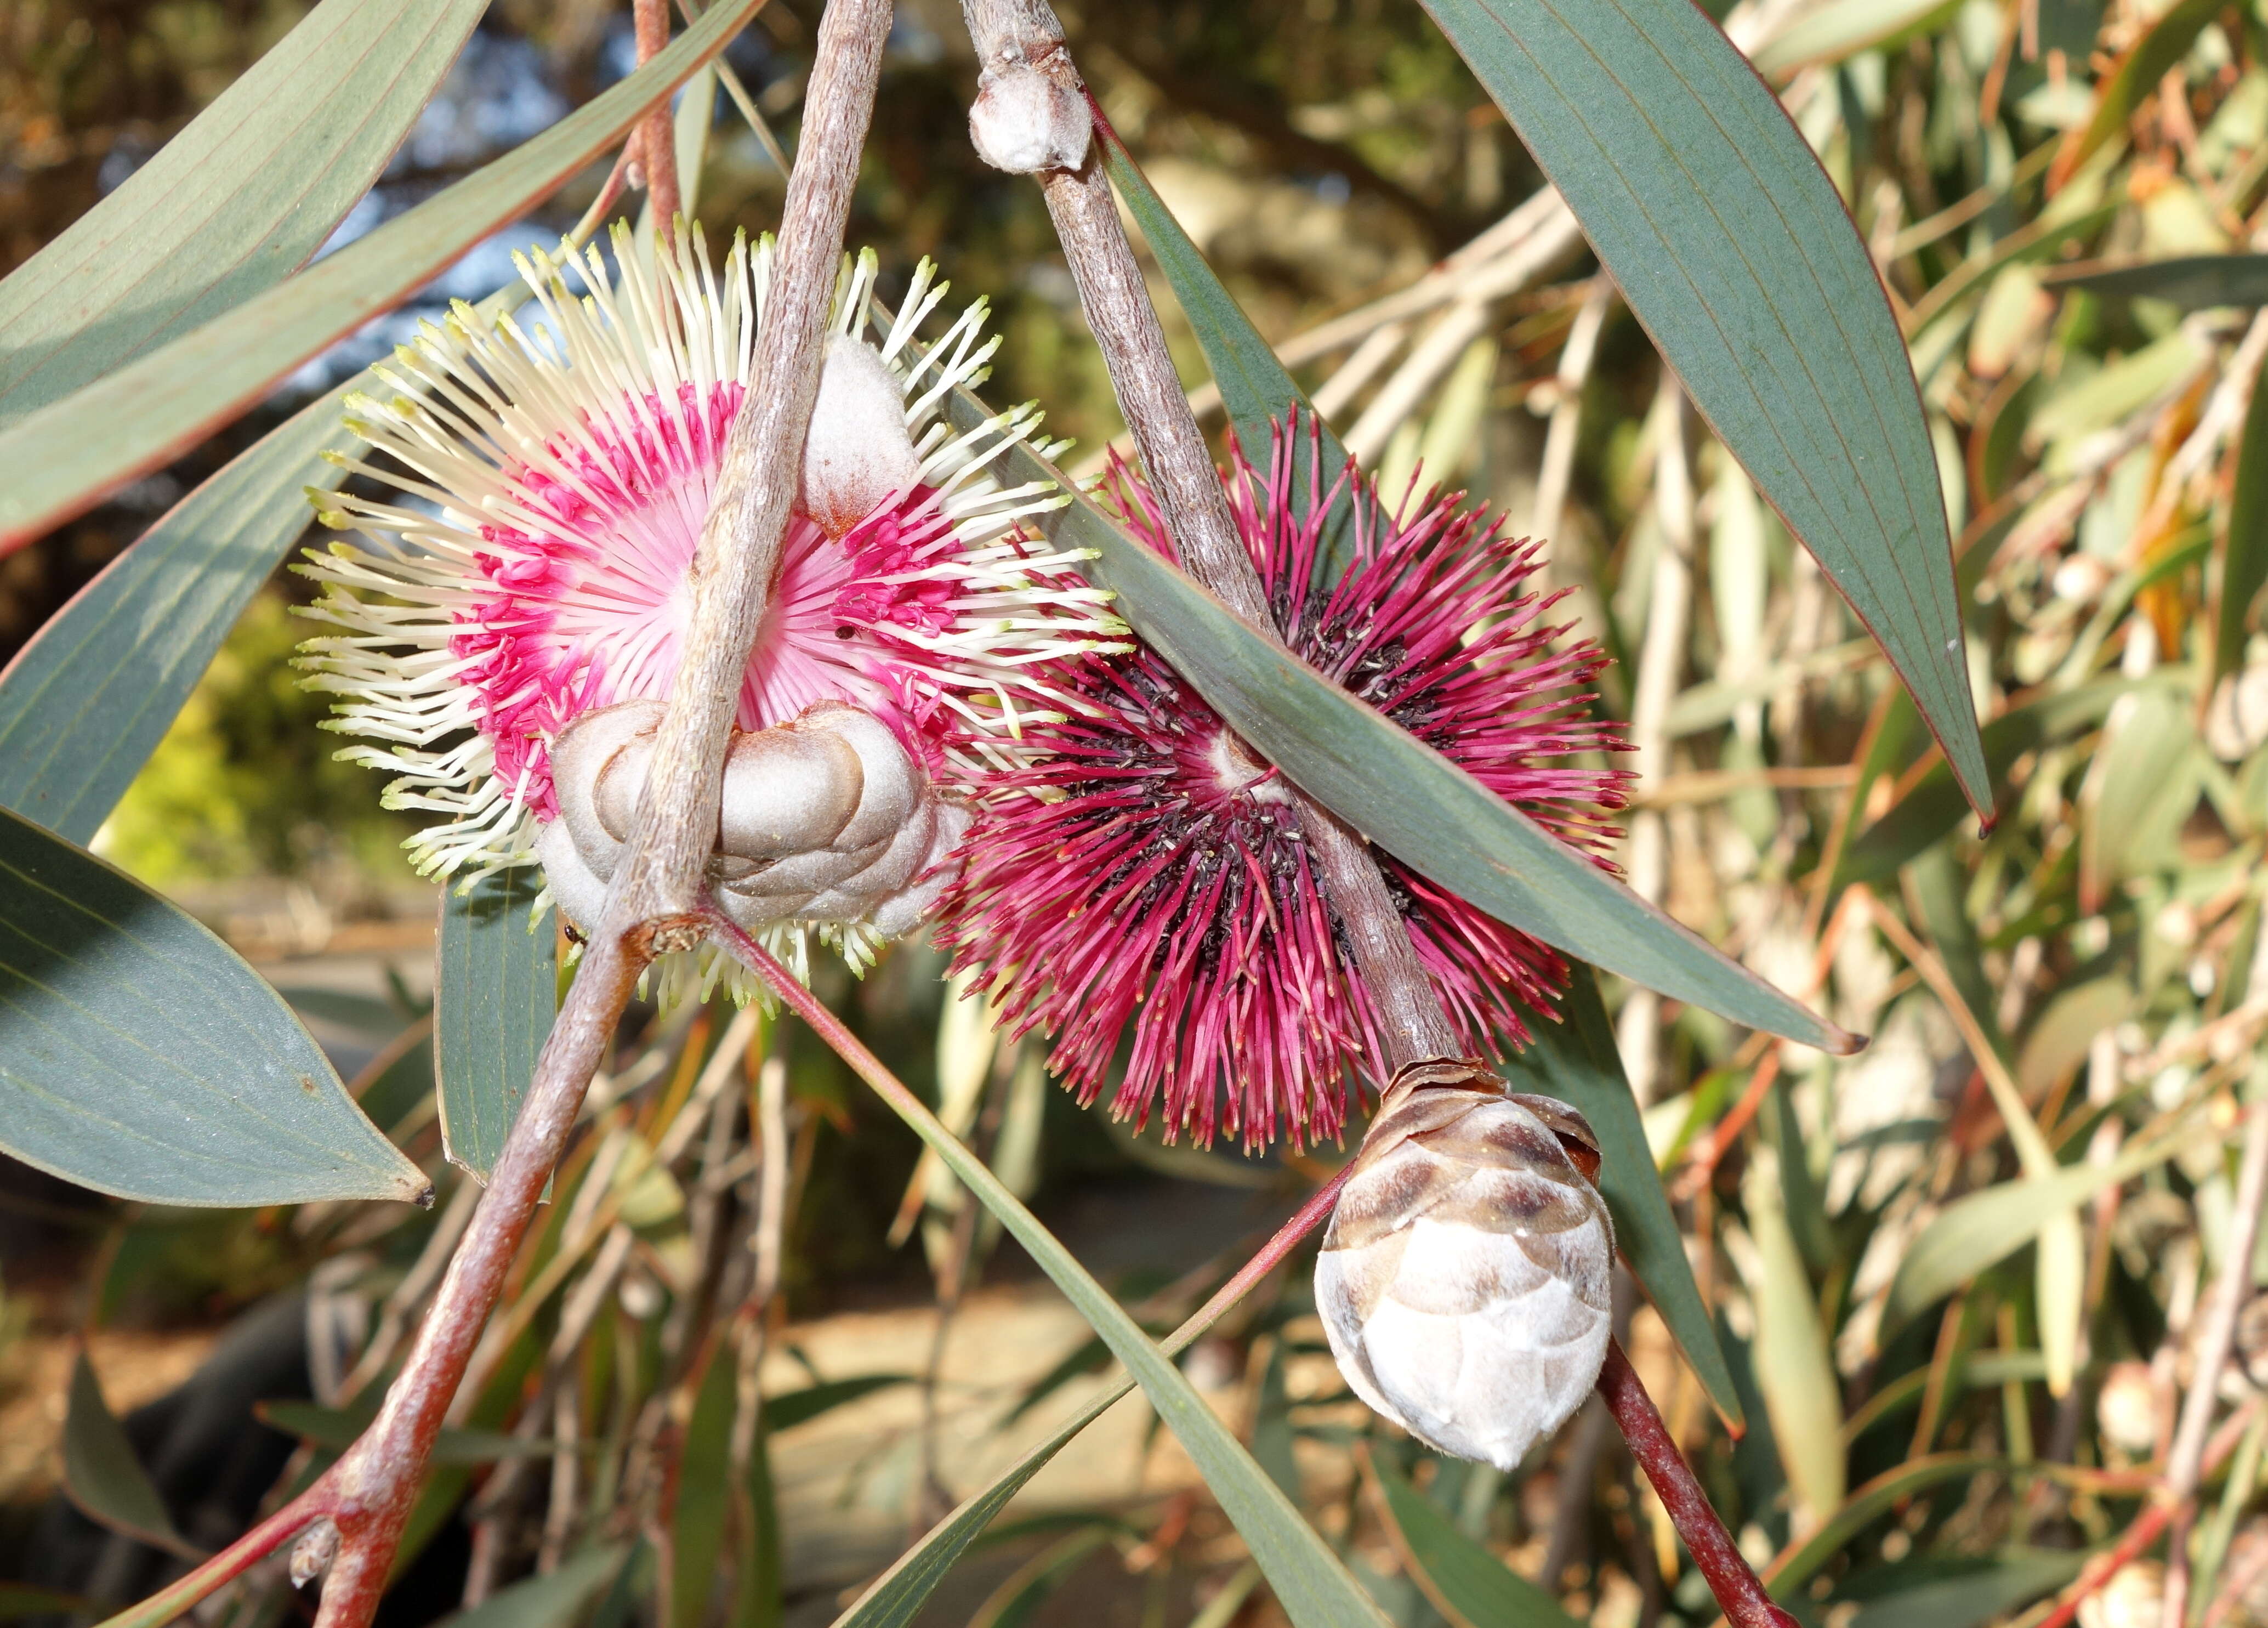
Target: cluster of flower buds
{"x":1464,"y":1281}
{"x":824,"y":819}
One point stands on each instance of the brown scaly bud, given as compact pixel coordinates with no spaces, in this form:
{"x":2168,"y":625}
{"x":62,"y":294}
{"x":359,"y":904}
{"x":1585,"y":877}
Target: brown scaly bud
{"x":1464,"y":1279}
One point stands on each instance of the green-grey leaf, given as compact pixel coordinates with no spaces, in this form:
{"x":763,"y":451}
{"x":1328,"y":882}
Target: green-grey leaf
{"x":1934,"y":804}
{"x":1975,"y":1233}
{"x":2194,"y":282}
{"x":1785,"y":1578}
{"x":546,"y":1602}
{"x":893,"y":1599}
{"x":705,"y":1492}
{"x":2244,"y":552}
{"x":139,"y":1056}
{"x":85,"y":703}
{"x":335,"y":1430}
{"x":791,"y":1408}
{"x":1576,"y":1060}
{"x":1308,"y":1580}
{"x":2162,"y":45}
{"x":234,"y":203}
{"x":1731,"y":247}
{"x":65,"y":456}
{"x":1472,"y":1587}
{"x":496,"y":993}
{"x":103,"y":1477}
{"x":1255,"y":388}
{"x":1843,"y":28}
{"x":1397,"y":791}
{"x":2015,"y":1579}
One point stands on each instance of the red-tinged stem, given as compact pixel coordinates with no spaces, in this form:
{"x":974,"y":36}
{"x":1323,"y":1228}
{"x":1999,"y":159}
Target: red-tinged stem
{"x":1739,"y":1592}
{"x":175,"y":1599}
{"x":894,"y":1092}
{"x":2148,"y":1524}
{"x":2104,"y":1567}
{"x":657,"y":135}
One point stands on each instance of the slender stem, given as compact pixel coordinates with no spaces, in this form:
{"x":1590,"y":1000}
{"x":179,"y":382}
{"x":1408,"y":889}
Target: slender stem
{"x":649,"y":905}
{"x":655,"y":139}
{"x":1019,"y":34}
{"x":1739,"y":1591}
{"x":175,"y":1599}
{"x":893,"y":1091}
{"x":1023,"y":35}
{"x":2186,"y":1463}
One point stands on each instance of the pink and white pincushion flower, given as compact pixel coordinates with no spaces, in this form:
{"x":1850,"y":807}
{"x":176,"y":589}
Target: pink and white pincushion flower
{"x":1143,"y":868}
{"x":531,"y":586}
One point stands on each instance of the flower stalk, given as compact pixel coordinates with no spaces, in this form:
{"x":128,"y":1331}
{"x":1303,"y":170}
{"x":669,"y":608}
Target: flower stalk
{"x":1018,"y":41}
{"x":651,"y":905}
{"x":1024,"y":63}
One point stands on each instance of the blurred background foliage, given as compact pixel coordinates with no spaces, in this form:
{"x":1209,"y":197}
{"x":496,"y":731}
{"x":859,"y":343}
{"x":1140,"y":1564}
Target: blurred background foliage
{"x":2064,"y":199}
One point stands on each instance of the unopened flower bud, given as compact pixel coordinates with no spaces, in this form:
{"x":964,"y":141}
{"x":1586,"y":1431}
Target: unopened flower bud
{"x":313,"y":1551}
{"x":1464,"y":1279}
{"x":858,"y":453}
{"x":2126,"y":1408}
{"x":1023,"y":121}
{"x":2134,"y":1598}
{"x":825,"y":818}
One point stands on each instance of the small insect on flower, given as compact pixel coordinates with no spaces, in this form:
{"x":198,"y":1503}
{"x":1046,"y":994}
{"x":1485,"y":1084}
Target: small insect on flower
{"x":508,"y":632}
{"x":1464,"y":1281}
{"x":1146,"y":868}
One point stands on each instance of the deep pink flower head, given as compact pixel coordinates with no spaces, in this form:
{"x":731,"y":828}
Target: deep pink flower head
{"x":1144,"y":870}
{"x":553,"y":477}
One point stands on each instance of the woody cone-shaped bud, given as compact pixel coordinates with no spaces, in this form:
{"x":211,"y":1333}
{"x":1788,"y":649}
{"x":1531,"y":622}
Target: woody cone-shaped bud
{"x":824,"y":819}
{"x":1464,"y":1279}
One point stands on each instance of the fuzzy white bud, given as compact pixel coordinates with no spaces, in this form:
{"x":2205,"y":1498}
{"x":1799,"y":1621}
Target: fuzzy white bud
{"x":2126,"y":1408}
{"x":1464,"y":1281}
{"x":1023,"y":121}
{"x":823,"y":819}
{"x":313,"y":1551}
{"x":2135,"y":1597}
{"x":858,"y":451}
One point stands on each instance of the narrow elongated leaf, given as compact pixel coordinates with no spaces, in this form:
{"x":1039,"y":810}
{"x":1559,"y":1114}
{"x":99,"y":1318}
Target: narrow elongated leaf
{"x":551,"y":1600}
{"x":85,"y":703}
{"x":2194,"y":282}
{"x":798,"y":1407}
{"x":1731,"y":247}
{"x":2164,"y":43}
{"x":1577,"y":1061}
{"x":1307,"y":1578}
{"x":893,"y":1599}
{"x":1255,"y":387}
{"x":64,"y":457}
{"x":705,"y":1492}
{"x":1795,"y":1369}
{"x":496,"y":993}
{"x":234,"y":203}
{"x":1843,"y":29}
{"x":1975,"y":1233}
{"x":1797,"y":1565}
{"x":335,"y":1429}
{"x":1399,"y":791}
{"x":2245,"y":550}
{"x":139,"y":1054}
{"x":1470,"y":1586}
{"x":102,"y":1474}
{"x":1934,"y":806}
{"x":2012,"y":1580}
